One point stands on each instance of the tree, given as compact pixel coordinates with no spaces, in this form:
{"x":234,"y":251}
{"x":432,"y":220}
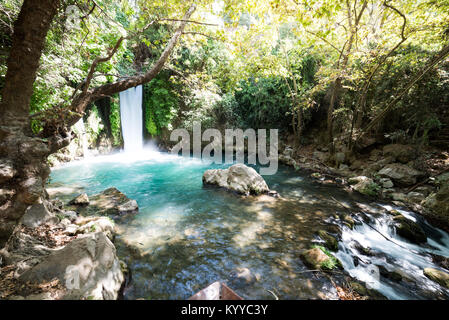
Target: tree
{"x":23,"y":154}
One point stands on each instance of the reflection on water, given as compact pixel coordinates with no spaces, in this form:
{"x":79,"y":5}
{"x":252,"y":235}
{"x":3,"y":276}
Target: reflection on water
{"x":187,"y":236}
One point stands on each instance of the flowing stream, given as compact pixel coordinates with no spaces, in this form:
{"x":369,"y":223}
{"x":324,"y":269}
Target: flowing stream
{"x":187,"y":236}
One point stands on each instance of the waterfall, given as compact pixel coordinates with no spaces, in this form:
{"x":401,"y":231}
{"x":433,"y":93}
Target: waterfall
{"x":81,"y":131}
{"x":131,"y":118}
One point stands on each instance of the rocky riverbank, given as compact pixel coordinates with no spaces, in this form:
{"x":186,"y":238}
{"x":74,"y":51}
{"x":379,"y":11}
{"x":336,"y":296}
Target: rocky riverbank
{"x":66,"y":252}
{"x":418,"y":180}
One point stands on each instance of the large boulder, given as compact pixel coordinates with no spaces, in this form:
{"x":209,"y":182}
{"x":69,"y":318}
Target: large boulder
{"x":108,"y":202}
{"x":81,"y":200}
{"x":401,"y":175}
{"x":401,"y":153}
{"x":88,"y":267}
{"x":239,"y":178}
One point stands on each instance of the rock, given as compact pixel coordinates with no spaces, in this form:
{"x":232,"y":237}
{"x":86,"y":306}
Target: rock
{"x":71,"y":215}
{"x":386,"y":183}
{"x":88,"y":267}
{"x":330,"y":241}
{"x":129,"y":206}
{"x":440,"y":260}
{"x":38,"y":214}
{"x":317,"y":259}
{"x":288,"y":152}
{"x":400,"y":174}
{"x":442,"y":179}
{"x":364,"y":185}
{"x":316,"y":175}
{"x":401,"y":153}
{"x":243,"y":276}
{"x":415,"y":197}
{"x":7,"y":170}
{"x":239,"y":178}
{"x":343,"y":167}
{"x":357,"y":164}
{"x":397,"y":196}
{"x":438,"y":276}
{"x":392,"y":275}
{"x":108,"y":202}
{"x":362,"y":290}
{"x":409,"y":230}
{"x":81,"y":200}
{"x":347,"y":219}
{"x":98,"y":224}
{"x":438,"y":203}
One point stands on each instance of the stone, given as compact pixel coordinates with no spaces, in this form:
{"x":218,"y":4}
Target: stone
{"x":321,"y":156}
{"x":38,"y":214}
{"x":400,"y":174}
{"x":409,"y":230}
{"x":415,"y":197}
{"x":339,"y":157}
{"x":356,"y":165}
{"x":330,"y":241}
{"x":364,"y":185}
{"x":386,"y":183}
{"x":315,"y":258}
{"x":243,"y":276}
{"x":81,"y":200}
{"x":87,"y":266}
{"x":97,"y":224}
{"x":392,"y":275}
{"x":108,"y":202}
{"x":398,"y":196}
{"x":438,"y":203}
{"x":401,"y":153}
{"x":438,"y":276}
{"x":7,"y":170}
{"x":239,"y":178}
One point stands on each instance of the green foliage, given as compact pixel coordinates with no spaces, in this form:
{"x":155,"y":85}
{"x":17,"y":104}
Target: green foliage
{"x":332,"y":263}
{"x":161,"y":104}
{"x":114,"y":119}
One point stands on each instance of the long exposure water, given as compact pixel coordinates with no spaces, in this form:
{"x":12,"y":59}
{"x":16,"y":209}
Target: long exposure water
{"x":187,"y":236}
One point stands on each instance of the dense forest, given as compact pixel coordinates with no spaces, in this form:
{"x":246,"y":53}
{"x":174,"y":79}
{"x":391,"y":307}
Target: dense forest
{"x":357,"y":89}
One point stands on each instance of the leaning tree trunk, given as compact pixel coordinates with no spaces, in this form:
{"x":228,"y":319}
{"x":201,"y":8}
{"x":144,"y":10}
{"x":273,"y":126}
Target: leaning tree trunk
{"x":23,"y":156}
{"x":23,"y":168}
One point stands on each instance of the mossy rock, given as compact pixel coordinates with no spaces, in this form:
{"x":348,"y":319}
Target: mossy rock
{"x":438,"y":276}
{"x":318,"y":258}
{"x":392,"y":275}
{"x":362,"y":290}
{"x":347,"y":220}
{"x":409,"y":230}
{"x":330,"y":241}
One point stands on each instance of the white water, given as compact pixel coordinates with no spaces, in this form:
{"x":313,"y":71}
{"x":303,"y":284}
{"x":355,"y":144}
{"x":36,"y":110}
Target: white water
{"x":81,"y":129}
{"x":131,"y":118}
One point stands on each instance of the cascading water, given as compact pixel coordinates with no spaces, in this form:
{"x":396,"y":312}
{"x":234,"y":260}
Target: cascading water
{"x":131,"y":118}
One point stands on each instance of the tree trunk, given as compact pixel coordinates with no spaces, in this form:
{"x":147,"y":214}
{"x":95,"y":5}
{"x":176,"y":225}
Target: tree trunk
{"x":23,"y":168}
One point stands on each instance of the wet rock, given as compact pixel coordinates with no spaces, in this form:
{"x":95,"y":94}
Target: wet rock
{"x":81,"y":200}
{"x":38,"y":214}
{"x":362,"y":290}
{"x":364,"y":250}
{"x":401,"y":153}
{"x":392,"y":275}
{"x":400,"y":174}
{"x":243,"y":276}
{"x":347,"y":219}
{"x":88,"y":267}
{"x":239,"y":178}
{"x":409,"y":230}
{"x":438,"y":276}
{"x":108,"y":202}
{"x":364,"y":185}
{"x":330,"y":241}
{"x":440,"y":260}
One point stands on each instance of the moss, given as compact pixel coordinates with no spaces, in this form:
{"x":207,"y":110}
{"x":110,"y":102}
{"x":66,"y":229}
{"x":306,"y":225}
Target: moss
{"x":114,"y":118}
{"x":330,"y":241}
